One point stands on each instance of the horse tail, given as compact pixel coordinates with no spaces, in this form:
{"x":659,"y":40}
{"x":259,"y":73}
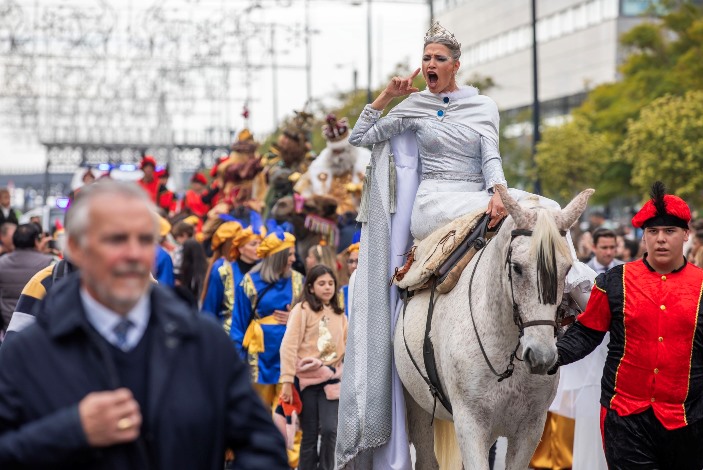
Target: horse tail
{"x":446,"y":446}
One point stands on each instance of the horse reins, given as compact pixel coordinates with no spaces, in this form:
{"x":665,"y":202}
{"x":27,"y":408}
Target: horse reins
{"x":517,"y":317}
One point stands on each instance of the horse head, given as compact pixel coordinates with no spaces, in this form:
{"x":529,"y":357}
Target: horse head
{"x":537,"y":259}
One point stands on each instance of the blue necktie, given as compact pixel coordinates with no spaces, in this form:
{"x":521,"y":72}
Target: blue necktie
{"x":121,"y":330}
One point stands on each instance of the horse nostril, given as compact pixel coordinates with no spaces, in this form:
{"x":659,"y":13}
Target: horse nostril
{"x":528,"y":356}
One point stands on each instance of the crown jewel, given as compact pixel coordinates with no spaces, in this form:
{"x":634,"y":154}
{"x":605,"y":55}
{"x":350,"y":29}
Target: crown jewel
{"x":437,"y":30}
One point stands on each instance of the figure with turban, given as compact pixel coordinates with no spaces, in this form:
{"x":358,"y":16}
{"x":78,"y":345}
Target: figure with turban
{"x":352,"y":261}
{"x":163,"y":264}
{"x":228,"y":270}
{"x":262,"y":302}
{"x":339,"y":170}
{"x":288,"y":159}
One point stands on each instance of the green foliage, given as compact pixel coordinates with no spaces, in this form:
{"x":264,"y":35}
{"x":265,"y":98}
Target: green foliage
{"x":568,"y":159}
{"x":666,"y":143}
{"x":664,"y":60}
{"x":517,"y":153}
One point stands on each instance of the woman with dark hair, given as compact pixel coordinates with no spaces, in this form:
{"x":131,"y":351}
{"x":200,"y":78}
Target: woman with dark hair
{"x":313,"y":351}
{"x":191,"y":278}
{"x":262,"y":304}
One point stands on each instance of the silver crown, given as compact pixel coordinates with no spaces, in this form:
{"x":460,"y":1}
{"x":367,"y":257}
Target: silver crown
{"x":437,"y":30}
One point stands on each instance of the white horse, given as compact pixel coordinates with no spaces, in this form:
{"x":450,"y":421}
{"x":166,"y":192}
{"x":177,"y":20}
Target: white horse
{"x":525,"y":266}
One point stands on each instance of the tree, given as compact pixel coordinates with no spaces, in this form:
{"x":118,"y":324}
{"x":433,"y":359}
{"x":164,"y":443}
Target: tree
{"x":666,"y":143}
{"x":665,"y":59}
{"x":568,"y":160}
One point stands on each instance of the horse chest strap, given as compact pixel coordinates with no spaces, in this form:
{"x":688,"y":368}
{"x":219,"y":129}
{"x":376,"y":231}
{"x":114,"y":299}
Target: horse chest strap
{"x":429,"y":358}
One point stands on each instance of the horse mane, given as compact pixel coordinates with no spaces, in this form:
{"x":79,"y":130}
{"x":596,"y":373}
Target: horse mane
{"x":546,"y":241}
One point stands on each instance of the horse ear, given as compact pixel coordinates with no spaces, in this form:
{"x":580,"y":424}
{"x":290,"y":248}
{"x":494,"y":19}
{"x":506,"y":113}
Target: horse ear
{"x":512,"y":206}
{"x":571,"y":213}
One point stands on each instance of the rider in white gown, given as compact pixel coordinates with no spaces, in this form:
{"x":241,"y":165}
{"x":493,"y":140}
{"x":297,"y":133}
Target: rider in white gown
{"x":459,"y":161}
{"x":435,"y":158}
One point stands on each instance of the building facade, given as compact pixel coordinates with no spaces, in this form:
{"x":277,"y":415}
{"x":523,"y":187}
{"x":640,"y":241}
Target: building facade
{"x":578,"y":47}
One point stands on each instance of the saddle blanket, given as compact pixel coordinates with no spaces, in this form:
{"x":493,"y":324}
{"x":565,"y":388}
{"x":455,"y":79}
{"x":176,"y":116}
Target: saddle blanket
{"x":429,"y":254}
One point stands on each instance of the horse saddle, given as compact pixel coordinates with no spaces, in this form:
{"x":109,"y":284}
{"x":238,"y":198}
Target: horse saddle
{"x":442,"y":257}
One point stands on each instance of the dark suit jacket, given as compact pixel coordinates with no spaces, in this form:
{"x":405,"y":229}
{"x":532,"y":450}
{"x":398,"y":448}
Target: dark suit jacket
{"x":200,"y":400}
{"x":10,"y":218}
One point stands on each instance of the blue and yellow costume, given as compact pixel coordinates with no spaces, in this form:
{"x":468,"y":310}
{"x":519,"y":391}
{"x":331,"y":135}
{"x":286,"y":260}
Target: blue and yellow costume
{"x":266,"y":365}
{"x":257,"y":334}
{"x":344,"y":291}
{"x":225,"y":275}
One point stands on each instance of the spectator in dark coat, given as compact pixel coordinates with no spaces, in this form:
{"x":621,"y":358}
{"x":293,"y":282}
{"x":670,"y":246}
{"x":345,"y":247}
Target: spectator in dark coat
{"x":18,"y":267}
{"x":7,"y":213}
{"x":118,"y":373}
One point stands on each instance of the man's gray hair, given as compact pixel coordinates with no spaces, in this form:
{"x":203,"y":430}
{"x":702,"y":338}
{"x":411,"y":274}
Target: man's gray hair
{"x":78,"y":216}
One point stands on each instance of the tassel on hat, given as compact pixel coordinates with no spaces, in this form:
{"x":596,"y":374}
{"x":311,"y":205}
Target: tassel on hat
{"x":327,"y":228}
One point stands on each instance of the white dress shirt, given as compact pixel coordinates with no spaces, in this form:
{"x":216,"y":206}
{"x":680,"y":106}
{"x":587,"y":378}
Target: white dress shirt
{"x":105,"y":320}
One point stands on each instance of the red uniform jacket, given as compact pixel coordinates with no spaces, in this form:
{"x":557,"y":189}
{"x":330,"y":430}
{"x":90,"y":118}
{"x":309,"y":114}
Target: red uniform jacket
{"x":655,"y":354}
{"x":151,"y":188}
{"x":194,"y":202}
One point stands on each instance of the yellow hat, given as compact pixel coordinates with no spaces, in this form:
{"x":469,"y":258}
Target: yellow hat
{"x":356,"y":243}
{"x":192,"y":220}
{"x":243,"y":237}
{"x":225,"y":232}
{"x":164,"y":227}
{"x":274,"y":243}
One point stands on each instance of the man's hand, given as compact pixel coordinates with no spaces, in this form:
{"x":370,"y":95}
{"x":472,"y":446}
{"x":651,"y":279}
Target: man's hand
{"x":110,"y":418}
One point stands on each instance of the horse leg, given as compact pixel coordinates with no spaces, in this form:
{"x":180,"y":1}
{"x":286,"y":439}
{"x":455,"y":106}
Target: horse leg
{"x":421,"y":434}
{"x":521,"y":447}
{"x":474,"y":440}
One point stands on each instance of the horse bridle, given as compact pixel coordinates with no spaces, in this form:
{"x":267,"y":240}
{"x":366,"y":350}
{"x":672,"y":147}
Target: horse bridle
{"x":517,"y":316}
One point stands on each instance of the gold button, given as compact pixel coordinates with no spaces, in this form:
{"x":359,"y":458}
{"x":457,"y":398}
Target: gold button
{"x":653,"y":400}
{"x":663,"y":307}
{"x":661,"y":339}
{"x":656,"y":371}
{"x":663,"y":278}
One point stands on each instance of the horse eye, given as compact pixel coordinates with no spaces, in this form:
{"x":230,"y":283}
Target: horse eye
{"x":517,"y":268}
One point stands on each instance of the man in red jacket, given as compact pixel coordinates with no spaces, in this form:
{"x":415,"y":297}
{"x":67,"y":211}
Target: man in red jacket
{"x":149,"y":182}
{"x":652,"y":386}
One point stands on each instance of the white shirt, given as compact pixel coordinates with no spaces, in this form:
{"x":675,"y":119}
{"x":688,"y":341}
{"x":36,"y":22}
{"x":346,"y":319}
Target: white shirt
{"x":599,"y":268}
{"x":105,"y":320}
{"x":6,"y":211}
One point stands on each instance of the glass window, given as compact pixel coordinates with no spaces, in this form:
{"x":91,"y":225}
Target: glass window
{"x":567,"y":21}
{"x":593,"y":12}
{"x":542,"y":31}
{"x":580,"y":17}
{"x":610,"y":9}
{"x":524,"y":37}
{"x":634,"y":7}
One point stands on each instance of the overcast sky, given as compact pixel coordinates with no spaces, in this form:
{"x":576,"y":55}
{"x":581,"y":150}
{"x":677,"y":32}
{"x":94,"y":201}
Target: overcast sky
{"x":339,"y":47}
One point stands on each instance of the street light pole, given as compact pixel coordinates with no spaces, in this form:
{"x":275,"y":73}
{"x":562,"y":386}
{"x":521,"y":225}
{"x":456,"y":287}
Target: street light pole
{"x":535,"y":96}
{"x":274,"y":76}
{"x":368,"y":52}
{"x":308,"y":54}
